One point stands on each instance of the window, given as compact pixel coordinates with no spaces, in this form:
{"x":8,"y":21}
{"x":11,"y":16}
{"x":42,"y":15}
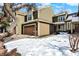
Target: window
{"x":54,"y":19}
{"x":35,"y":14}
{"x":61,"y":18}
{"x":25,"y":18}
{"x":58,"y":18}
{"x":29,"y":17}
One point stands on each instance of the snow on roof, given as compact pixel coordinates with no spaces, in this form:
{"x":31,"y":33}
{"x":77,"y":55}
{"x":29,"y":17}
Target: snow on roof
{"x":73,"y":18}
{"x":69,"y":18}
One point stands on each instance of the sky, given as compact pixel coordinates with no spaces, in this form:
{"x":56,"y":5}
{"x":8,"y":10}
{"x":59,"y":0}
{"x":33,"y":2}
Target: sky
{"x":57,"y":7}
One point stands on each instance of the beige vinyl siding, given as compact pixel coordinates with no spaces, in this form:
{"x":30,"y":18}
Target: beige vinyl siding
{"x":45,"y":14}
{"x":68,"y":25}
{"x":19,"y":21}
{"x":43,"y":29}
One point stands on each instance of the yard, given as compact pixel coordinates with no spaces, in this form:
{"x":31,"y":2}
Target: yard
{"x":53,"y":45}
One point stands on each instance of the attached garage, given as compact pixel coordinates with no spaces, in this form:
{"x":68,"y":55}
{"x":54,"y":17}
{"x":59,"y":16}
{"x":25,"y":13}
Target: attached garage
{"x":29,"y":29}
{"x":37,"y":28}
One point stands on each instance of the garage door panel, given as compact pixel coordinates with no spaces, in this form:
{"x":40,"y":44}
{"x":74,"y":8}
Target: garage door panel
{"x":29,"y":30}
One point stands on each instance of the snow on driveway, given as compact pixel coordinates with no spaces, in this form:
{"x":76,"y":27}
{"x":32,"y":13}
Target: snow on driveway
{"x":54,"y":45}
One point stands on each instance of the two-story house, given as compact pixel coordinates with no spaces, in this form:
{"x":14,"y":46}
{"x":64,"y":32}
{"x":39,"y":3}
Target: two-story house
{"x":66,"y":23}
{"x":73,"y":23}
{"x":43,"y":22}
{"x":58,"y":21}
{"x":36,"y":22}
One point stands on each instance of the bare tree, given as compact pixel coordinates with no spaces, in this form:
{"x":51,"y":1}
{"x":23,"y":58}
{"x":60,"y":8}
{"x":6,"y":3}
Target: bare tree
{"x":74,"y":42}
{"x":9,"y":9}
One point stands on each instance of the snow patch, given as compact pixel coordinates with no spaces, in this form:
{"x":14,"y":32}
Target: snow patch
{"x":54,"y":45}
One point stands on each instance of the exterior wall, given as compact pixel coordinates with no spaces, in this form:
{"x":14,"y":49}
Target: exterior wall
{"x":43,"y":29}
{"x":68,"y":25}
{"x":19,"y":21}
{"x":45,"y":14}
{"x":65,"y":27}
{"x":60,"y":27}
{"x":59,"y":21}
{"x":74,"y":27}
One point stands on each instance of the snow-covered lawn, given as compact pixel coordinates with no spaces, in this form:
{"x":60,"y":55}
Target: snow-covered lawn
{"x":54,"y":45}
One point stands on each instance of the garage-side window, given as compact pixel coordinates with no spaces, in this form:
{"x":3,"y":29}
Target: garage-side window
{"x":25,"y":18}
{"x":35,"y":14}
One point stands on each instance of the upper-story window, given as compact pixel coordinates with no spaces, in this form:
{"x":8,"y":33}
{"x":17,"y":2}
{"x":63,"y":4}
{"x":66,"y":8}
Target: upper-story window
{"x":58,"y":18}
{"x":61,"y":18}
{"x":25,"y":18}
{"x":29,"y":17}
{"x":35,"y":15}
{"x":54,"y":19}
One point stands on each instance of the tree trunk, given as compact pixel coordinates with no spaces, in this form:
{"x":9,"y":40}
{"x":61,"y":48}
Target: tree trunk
{"x":9,"y":12}
{"x":8,"y":8}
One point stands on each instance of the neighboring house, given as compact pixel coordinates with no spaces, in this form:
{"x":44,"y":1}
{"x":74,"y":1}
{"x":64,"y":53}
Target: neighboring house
{"x":73,"y":22}
{"x":66,"y":23}
{"x":37,"y":23}
{"x":59,"y":22}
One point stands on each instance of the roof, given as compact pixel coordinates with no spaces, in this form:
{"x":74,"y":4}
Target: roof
{"x":64,"y":14}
